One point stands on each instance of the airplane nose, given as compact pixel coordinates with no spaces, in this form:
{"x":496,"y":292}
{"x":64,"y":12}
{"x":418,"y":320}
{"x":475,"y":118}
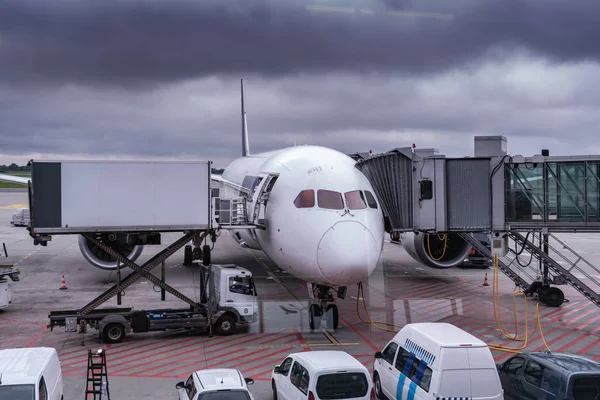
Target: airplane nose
{"x":347,"y":253}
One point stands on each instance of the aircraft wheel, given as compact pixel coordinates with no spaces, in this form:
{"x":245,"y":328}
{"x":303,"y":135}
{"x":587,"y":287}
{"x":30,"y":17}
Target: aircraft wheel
{"x":206,"y":255}
{"x":187,"y":255}
{"x":314,"y":312}
{"x":334,"y":314}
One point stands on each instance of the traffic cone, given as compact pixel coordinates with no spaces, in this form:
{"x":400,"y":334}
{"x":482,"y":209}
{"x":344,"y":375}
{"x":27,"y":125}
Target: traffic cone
{"x":63,"y":286}
{"x":485,"y":281}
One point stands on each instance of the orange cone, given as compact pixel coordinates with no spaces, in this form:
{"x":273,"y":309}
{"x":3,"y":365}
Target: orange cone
{"x":63,"y":286}
{"x":485,"y":281}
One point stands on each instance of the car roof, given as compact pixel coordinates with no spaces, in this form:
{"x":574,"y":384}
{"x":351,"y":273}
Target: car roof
{"x":23,"y":365}
{"x":220,"y":378}
{"x":327,"y":359}
{"x":566,"y":362}
{"x":444,"y":334}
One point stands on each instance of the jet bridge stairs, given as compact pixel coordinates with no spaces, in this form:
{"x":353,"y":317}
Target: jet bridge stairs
{"x":559,"y":266}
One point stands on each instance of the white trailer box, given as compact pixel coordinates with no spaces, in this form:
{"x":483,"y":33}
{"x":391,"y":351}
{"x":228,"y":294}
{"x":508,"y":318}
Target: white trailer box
{"x":127,"y":196}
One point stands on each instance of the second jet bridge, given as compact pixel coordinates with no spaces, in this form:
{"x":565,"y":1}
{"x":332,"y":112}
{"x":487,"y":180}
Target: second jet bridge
{"x":422,"y":191}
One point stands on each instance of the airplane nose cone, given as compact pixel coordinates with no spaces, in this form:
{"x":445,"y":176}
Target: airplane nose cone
{"x":347,"y":253}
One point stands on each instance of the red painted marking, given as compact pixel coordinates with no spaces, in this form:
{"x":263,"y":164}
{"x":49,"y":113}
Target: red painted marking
{"x":191,"y":352}
{"x":573,"y":343}
{"x":171,"y":351}
{"x":301,"y":340}
{"x":37,"y":337}
{"x":590,"y":346}
{"x":248,"y":371}
{"x":181,"y":362}
{"x":360,"y":335}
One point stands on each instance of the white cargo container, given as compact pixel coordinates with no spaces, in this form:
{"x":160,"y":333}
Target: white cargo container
{"x":127,"y":196}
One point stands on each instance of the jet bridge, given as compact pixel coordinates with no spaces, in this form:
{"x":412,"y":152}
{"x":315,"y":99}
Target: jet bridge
{"x":514,"y":197}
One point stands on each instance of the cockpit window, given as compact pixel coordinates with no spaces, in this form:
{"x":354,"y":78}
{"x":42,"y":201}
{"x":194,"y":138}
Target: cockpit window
{"x":355,"y":200}
{"x":330,"y":200}
{"x":305,"y":199}
{"x":370,"y":199}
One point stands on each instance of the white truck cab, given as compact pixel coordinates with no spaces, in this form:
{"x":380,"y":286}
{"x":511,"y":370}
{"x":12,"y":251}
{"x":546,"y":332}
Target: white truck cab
{"x":6,"y":272}
{"x":215,"y":384}
{"x":234,"y":287}
{"x":436,"y":361}
{"x":30,"y":374}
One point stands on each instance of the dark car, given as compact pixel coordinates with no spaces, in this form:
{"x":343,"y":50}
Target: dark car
{"x":555,"y":376}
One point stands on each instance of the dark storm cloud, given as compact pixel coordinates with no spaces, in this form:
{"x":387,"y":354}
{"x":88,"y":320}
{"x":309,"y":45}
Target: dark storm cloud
{"x":533,"y":103}
{"x":147,"y":41}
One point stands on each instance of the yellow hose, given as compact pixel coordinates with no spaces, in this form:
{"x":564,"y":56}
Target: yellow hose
{"x":497,"y":315}
{"x":443,"y":237}
{"x":500,"y":323}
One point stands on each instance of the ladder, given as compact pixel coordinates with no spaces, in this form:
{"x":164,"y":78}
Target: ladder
{"x":97,"y":376}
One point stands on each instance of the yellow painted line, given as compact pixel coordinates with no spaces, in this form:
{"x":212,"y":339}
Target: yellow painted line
{"x":332,"y":341}
{"x":10,"y":206}
{"x":330,"y":337}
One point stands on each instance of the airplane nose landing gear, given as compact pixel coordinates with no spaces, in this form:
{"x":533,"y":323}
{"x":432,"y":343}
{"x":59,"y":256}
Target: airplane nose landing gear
{"x":324,"y":311}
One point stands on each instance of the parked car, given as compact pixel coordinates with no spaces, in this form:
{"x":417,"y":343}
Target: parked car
{"x":435,"y":360}
{"x":556,"y":376}
{"x":320,"y":375}
{"x":215,"y":384}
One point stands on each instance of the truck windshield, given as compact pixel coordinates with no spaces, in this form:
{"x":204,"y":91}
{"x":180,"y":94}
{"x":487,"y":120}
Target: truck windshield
{"x":17,"y":392}
{"x":225,"y":395}
{"x":241,"y":285}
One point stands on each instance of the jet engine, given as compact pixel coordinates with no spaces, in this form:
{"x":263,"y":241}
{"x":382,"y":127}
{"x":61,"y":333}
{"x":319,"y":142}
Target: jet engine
{"x":101,"y":259}
{"x":436,"y":250}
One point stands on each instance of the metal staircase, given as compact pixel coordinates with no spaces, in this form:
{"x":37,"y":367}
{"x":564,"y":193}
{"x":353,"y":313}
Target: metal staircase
{"x":590,"y":289}
{"x":577,"y":273}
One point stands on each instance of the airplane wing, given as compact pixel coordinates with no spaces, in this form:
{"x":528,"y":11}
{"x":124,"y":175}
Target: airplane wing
{"x":13,"y":179}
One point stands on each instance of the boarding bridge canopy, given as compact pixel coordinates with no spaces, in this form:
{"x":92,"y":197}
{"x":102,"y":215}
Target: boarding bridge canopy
{"x":558,"y":195}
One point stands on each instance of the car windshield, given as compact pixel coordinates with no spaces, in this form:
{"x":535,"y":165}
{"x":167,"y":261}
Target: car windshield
{"x":342,"y":385}
{"x":225,"y":395}
{"x":17,"y":392}
{"x":586,"y":387}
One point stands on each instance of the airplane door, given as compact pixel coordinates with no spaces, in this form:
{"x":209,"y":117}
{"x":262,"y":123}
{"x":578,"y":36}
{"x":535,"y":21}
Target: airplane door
{"x":260,"y":195}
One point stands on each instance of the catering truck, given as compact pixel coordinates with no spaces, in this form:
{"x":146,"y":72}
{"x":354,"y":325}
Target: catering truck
{"x":227,"y":298}
{"x":6,"y":272}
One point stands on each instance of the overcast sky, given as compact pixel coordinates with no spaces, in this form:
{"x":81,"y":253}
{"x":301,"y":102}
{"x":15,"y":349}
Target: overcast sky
{"x":160,"y":79}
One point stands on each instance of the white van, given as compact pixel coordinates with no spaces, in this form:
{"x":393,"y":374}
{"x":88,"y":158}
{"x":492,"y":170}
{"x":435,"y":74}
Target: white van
{"x":30,"y":374}
{"x":321,"y":375}
{"x":436,"y":361}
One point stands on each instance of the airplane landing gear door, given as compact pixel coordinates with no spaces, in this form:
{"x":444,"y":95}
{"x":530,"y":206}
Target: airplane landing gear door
{"x":260,"y":196}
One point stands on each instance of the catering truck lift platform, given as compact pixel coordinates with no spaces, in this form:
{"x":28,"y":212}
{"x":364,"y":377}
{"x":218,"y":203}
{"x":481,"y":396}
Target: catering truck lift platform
{"x":116,"y":204}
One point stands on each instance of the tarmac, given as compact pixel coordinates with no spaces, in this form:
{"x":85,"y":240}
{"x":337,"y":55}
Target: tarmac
{"x":148,"y":365}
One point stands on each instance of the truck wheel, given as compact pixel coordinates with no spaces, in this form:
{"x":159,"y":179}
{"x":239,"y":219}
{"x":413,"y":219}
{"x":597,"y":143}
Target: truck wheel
{"x":225,"y":325}
{"x":187,"y":255}
{"x":206,"y":255}
{"x":114,"y":333}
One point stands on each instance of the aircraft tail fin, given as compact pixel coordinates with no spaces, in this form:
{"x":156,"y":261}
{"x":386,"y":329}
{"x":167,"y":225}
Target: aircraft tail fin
{"x":245,"y":143}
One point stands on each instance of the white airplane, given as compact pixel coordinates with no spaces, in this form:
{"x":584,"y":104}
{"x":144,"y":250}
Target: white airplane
{"x":318,"y":216}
